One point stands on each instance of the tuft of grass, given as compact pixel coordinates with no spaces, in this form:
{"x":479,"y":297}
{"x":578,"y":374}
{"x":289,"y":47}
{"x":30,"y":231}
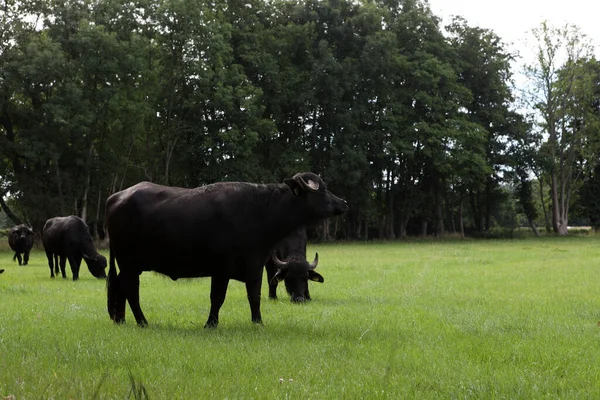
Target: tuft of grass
{"x":414,"y":319}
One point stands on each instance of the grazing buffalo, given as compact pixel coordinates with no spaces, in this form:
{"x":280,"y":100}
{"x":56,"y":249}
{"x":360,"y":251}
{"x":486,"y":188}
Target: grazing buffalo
{"x":69,"y":238}
{"x":20,"y":239}
{"x":288,"y":263}
{"x":225,"y":230}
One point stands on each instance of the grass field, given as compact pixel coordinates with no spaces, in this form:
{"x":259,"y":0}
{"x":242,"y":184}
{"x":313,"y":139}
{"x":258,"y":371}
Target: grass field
{"x":424,"y":319}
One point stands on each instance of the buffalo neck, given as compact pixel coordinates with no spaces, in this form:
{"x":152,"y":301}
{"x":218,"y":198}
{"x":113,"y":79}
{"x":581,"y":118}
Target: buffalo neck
{"x":88,"y":249}
{"x":286,"y":212}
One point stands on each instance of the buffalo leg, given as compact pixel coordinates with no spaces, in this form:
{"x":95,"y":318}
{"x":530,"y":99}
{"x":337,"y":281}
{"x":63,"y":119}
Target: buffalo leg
{"x":271,"y":269}
{"x":75,"y":262}
{"x":130,"y":287}
{"x":19,"y":258}
{"x":253,"y":291}
{"x":116,"y":299}
{"x":50,"y":257}
{"x":218,"y":289}
{"x":63,"y":265}
{"x":26,"y":257}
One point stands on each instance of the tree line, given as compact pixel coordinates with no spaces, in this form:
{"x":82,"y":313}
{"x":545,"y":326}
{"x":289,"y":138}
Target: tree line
{"x":415,"y":124}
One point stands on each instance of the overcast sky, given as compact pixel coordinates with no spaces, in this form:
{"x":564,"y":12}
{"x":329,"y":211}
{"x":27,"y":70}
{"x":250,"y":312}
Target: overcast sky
{"x":512,"y":19}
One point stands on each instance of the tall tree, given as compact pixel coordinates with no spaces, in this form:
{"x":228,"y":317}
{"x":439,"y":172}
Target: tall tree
{"x":553,"y":93}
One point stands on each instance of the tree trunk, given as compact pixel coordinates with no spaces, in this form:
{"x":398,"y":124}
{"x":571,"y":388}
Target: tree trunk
{"x":390,"y":234}
{"x":98,"y":204}
{"x":560,"y":218}
{"x":450,"y":213}
{"x":168,"y":157}
{"x":380,"y":225}
{"x":534,"y":228}
{"x":424,"y":224}
{"x":59,"y":186}
{"x":439,"y":216}
{"x":16,"y":220}
{"x":555,"y":204}
{"x":86,"y":187}
{"x":461,"y":224}
{"x":544,"y":208}
{"x":403,"y":223}
{"x":325,"y":231}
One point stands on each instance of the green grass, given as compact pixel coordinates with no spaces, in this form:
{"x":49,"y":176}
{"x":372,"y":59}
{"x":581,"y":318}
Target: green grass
{"x":421,"y":319}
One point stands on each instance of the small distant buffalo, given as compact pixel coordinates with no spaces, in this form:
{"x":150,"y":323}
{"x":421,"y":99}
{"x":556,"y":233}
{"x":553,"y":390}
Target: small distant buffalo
{"x":1,"y":271}
{"x":69,"y":238}
{"x":288,"y":263}
{"x":20,"y":239}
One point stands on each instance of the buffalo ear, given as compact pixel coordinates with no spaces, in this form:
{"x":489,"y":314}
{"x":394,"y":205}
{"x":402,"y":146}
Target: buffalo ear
{"x":280,"y":274}
{"x":315,"y":276}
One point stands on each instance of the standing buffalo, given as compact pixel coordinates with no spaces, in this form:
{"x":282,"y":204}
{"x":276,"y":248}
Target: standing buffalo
{"x":225,"y":230}
{"x":69,"y":238}
{"x":20,"y":239}
{"x":288,"y":263}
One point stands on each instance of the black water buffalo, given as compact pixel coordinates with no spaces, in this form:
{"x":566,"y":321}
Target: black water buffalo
{"x":1,"y":271}
{"x":20,"y":240}
{"x":288,"y":263}
{"x":225,"y":230}
{"x":69,"y":238}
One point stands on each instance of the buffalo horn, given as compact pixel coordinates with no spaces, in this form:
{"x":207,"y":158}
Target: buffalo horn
{"x":278,"y":262}
{"x":315,"y":262}
{"x":310,"y":185}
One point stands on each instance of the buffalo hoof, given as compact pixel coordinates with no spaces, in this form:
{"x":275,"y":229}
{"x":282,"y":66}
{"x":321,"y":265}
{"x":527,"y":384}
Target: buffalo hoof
{"x":119,"y":319}
{"x":211,"y":324}
{"x":299,"y":300}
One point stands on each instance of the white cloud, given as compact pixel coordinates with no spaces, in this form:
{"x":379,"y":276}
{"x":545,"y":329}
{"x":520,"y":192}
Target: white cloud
{"x":512,"y":20}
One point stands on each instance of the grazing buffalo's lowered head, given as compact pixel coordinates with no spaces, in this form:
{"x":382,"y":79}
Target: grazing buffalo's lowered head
{"x":296,"y":273}
{"x":96,"y":265}
{"x":323,"y":203}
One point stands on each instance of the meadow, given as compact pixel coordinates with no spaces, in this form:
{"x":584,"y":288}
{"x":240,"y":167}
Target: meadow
{"x":422,"y":319}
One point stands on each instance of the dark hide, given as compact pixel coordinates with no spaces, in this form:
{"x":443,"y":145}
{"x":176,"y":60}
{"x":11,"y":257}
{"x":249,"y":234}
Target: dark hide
{"x":20,"y":240}
{"x":68,"y":238}
{"x":1,"y":271}
{"x":296,"y":272}
{"x":225,"y":230}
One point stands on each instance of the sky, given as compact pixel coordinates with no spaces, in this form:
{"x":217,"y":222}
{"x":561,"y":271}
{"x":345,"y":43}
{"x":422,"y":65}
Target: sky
{"x":512,"y":19}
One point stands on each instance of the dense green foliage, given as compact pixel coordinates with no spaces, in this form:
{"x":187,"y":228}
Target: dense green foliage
{"x":412,"y":319}
{"x":410,"y":122}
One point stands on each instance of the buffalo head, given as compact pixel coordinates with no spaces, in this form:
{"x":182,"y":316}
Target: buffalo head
{"x":21,"y":236}
{"x":97,"y":265}
{"x":296,"y":273}
{"x":322,"y":202}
